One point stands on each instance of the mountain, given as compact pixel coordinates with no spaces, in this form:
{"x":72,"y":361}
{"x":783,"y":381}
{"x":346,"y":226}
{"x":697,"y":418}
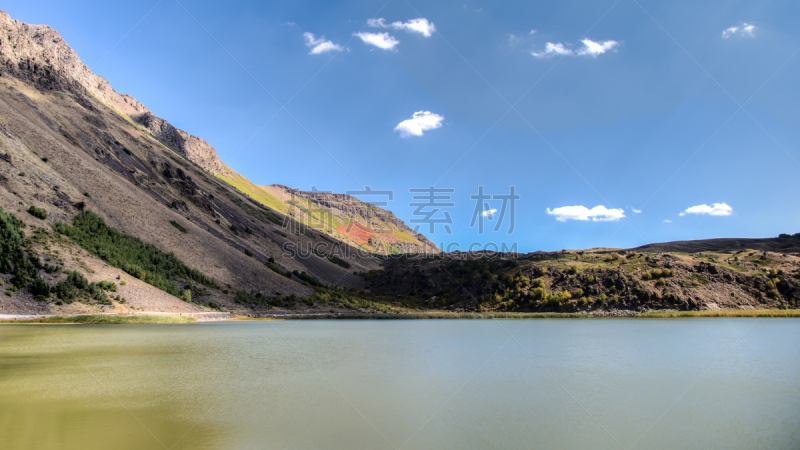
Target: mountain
{"x":107,"y":207}
{"x":70,"y":144}
{"x":38,"y":55}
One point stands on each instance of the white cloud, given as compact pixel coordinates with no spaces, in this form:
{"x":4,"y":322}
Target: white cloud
{"x":419,"y":25}
{"x":419,"y":123}
{"x":551,"y":49}
{"x":717,"y":209}
{"x":290,"y":24}
{"x":532,"y":32}
{"x":590,"y":48}
{"x":489,"y":213}
{"x":380,"y":40}
{"x":597,"y":214}
{"x":744,"y":30}
{"x":636,"y":211}
{"x":667,"y":221}
{"x":320,"y":45}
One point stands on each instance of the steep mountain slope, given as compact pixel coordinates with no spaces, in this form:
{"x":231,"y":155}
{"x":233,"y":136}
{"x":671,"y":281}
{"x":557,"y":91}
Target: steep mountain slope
{"x":38,"y":54}
{"x":65,"y":150}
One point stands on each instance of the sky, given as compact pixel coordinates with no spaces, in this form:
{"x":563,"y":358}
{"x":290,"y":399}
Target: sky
{"x":616,"y":123}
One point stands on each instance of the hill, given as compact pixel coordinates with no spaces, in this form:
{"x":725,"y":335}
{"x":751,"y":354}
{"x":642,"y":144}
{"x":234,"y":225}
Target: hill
{"x":782,"y":244}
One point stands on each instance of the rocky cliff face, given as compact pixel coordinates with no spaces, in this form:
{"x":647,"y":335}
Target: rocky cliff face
{"x":38,"y":54}
{"x":197,"y":150}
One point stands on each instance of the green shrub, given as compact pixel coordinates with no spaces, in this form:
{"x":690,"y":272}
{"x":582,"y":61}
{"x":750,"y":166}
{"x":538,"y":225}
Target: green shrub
{"x":39,"y":287}
{"x":107,"y":285}
{"x":139,"y":259}
{"x":274,"y":267}
{"x":72,"y":287}
{"x":37,"y":212}
{"x":13,"y":259}
{"x":307,"y":278}
{"x":248,"y":252}
{"x":178,"y":226}
{"x":656,"y":274}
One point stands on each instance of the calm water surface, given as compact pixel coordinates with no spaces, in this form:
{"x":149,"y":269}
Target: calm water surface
{"x":417,"y":384}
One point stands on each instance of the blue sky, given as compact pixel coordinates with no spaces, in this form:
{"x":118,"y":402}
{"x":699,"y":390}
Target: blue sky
{"x":635,"y":107}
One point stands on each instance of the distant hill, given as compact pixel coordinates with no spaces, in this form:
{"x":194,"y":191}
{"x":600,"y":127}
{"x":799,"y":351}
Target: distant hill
{"x":787,"y":244}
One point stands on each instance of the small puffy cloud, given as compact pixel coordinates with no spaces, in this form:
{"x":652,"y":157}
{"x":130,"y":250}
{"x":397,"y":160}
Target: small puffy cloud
{"x":592,"y":48}
{"x":717,"y":209}
{"x":489,"y":213}
{"x":597,"y":214}
{"x":636,"y":211}
{"x":532,"y":32}
{"x":589,"y":48}
{"x":381,"y":40}
{"x":667,"y":221}
{"x":320,"y":45}
{"x":290,"y":24}
{"x":419,"y":123}
{"x":744,"y":30}
{"x":419,"y":25}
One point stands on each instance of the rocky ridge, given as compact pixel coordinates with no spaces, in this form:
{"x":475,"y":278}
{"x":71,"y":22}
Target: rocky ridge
{"x":38,"y":54}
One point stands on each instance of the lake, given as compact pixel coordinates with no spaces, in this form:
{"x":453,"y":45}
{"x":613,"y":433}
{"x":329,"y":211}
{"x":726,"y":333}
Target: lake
{"x":410,"y":384}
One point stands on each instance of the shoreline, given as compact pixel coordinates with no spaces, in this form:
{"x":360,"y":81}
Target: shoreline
{"x":143,"y":317}
{"x":173,"y":318}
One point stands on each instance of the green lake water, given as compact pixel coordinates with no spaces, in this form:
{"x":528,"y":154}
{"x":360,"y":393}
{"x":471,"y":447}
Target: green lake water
{"x":410,"y":384}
